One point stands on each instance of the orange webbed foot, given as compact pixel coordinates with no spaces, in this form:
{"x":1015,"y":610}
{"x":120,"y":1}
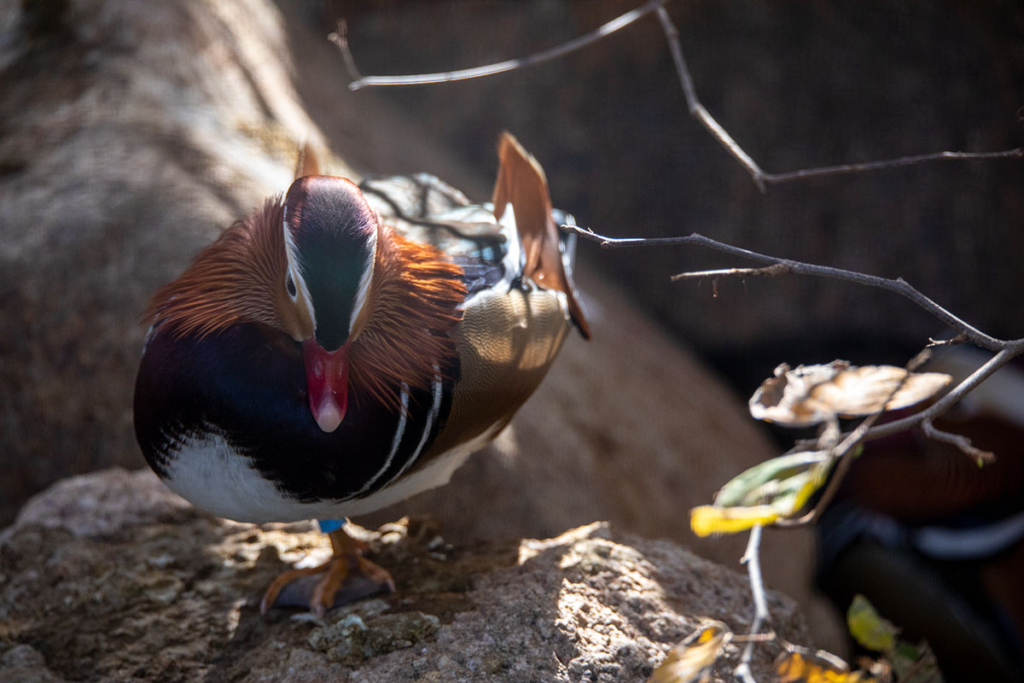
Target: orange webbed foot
{"x":345,"y":578}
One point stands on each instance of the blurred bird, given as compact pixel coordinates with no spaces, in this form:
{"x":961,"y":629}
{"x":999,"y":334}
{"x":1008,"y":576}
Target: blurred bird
{"x":346,"y":347}
{"x":935,"y":542}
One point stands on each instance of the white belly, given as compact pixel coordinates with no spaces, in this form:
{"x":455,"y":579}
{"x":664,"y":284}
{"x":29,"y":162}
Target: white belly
{"x":207,"y":473}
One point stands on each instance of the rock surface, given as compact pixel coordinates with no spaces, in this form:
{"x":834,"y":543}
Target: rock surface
{"x":110,"y":577}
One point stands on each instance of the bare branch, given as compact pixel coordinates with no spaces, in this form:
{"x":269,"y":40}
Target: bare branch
{"x":752,"y":558}
{"x":760,"y":177}
{"x":768,"y":271}
{"x":997,"y":361}
{"x":1016,"y":153}
{"x":697,"y":110}
{"x":597,"y":34}
{"x":1007,"y":349}
{"x":958,"y":339}
{"x":960,"y":441}
{"x":899,"y":285}
{"x":340,"y":38}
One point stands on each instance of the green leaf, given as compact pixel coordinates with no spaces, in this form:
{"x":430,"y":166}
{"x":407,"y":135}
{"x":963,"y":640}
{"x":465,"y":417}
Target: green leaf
{"x":764,"y":493}
{"x":747,"y":486}
{"x":869,"y":628}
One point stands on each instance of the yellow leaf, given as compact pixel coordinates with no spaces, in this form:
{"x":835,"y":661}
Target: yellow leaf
{"x":687,"y":660}
{"x":776,"y":488}
{"x":710,"y":519}
{"x":803,"y":666}
{"x":815,"y":480}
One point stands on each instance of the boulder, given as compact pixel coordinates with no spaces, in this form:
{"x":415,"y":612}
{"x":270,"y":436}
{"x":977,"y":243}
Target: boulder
{"x":111,"y":577}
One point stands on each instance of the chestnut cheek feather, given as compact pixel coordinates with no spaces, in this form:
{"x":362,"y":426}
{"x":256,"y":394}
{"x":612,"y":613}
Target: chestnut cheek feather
{"x":326,"y":383}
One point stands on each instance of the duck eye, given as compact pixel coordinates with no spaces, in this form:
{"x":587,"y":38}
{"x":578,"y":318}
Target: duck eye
{"x":290,"y":285}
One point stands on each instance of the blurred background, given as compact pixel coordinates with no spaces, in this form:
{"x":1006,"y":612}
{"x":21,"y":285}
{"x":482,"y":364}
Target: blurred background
{"x":85,"y":235}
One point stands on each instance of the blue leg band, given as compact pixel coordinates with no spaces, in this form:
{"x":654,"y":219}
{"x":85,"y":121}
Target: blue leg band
{"x":329,"y":525}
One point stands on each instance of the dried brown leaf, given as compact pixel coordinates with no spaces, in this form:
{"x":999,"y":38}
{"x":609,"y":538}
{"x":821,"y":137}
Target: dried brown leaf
{"x":691,"y":658}
{"x":811,"y":394}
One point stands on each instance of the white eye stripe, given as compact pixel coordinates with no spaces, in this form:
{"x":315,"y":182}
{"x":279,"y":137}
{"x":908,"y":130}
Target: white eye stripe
{"x":293,"y":269}
{"x":364,"y":282}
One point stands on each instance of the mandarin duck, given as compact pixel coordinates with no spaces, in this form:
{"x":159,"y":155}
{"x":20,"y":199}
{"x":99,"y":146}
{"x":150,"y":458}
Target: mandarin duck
{"x":348,"y":346}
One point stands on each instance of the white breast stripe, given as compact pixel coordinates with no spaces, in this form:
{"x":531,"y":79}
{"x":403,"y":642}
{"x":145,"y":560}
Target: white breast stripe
{"x":434,"y":410}
{"x":395,"y":443}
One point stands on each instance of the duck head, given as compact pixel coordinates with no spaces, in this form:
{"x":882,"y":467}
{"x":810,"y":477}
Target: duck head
{"x":330,"y":237}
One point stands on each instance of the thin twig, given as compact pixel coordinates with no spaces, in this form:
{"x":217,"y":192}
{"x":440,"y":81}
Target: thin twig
{"x":1016,"y":153}
{"x":997,"y":361}
{"x":767,"y":271}
{"x":340,"y":38}
{"x":697,"y":110}
{"x":760,"y":177}
{"x":597,"y":34}
{"x":958,"y":339}
{"x":958,"y":440}
{"x":752,"y":559}
{"x":898,"y":285}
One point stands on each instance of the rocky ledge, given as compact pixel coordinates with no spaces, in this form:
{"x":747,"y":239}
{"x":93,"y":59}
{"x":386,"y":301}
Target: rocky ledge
{"x":110,"y":577}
